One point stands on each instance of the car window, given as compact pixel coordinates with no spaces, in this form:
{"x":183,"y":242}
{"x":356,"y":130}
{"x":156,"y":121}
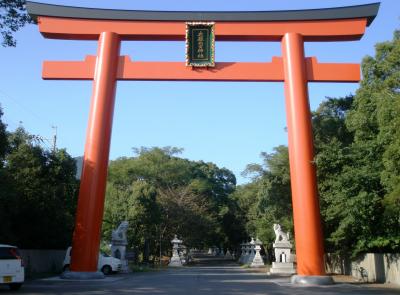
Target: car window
{"x":9,"y":253}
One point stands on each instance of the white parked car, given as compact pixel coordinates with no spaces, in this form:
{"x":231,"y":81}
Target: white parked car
{"x":106,"y":264}
{"x":12,"y":271}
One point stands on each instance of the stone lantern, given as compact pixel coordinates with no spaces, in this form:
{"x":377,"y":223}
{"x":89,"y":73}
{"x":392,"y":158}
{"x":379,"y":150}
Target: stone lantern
{"x":257,"y":260}
{"x":175,"y":259}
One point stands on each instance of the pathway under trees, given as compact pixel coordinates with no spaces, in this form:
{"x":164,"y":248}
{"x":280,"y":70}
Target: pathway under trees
{"x":208,"y":275}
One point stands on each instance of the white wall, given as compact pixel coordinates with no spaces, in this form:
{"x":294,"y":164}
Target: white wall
{"x":371,"y":267}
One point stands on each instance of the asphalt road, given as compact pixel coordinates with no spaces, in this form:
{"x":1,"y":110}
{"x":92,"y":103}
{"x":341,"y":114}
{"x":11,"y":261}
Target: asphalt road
{"x":207,"y":277}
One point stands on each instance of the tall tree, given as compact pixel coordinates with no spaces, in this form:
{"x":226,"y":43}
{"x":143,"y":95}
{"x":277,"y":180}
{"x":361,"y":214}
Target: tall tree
{"x":38,"y":194}
{"x":268,"y":197}
{"x":13,"y":16}
{"x":375,"y":123}
{"x":191,"y":199}
{"x":357,"y":156}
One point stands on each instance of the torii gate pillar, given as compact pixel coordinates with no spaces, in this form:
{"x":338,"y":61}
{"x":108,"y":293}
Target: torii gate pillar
{"x":306,"y":215}
{"x":94,"y":171}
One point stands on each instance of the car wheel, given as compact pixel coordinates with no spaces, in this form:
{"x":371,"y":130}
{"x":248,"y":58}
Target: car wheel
{"x":106,"y":269}
{"x":15,"y":286}
{"x":66,"y":267}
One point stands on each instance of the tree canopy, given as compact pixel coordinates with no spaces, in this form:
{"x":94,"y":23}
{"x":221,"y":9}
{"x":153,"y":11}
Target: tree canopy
{"x":38,"y":192}
{"x":161,"y":195}
{"x":13,"y":16}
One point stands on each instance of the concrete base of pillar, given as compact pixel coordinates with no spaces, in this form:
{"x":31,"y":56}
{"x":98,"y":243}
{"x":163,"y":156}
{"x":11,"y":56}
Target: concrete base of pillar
{"x":82,"y":275}
{"x":311,"y":280}
{"x":282,"y":268}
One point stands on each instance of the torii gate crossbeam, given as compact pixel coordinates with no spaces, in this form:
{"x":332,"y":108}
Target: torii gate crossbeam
{"x":291,"y":28}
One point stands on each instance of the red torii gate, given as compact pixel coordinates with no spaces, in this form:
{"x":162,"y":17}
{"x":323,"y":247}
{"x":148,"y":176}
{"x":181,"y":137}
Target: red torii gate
{"x":291,"y":28}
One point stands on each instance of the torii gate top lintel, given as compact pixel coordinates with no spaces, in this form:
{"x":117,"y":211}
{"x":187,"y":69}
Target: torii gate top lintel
{"x":328,"y":24}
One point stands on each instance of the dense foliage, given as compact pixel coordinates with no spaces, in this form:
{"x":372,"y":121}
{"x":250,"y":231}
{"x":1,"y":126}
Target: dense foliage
{"x":266,"y":199}
{"x":161,"y":195}
{"x":359,"y":166}
{"x":37,"y":192}
{"x":13,"y":16}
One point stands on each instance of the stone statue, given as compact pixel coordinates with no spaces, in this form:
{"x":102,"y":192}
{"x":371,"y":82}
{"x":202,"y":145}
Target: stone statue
{"x":118,"y":244}
{"x":282,"y":247}
{"x":118,"y":236}
{"x":279,"y":233}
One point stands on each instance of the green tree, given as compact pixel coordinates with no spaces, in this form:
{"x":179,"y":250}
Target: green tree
{"x":375,"y":123}
{"x":13,"y":16}
{"x":357,"y":159}
{"x":267,"y":199}
{"x":191,"y":199}
{"x":38,"y":194}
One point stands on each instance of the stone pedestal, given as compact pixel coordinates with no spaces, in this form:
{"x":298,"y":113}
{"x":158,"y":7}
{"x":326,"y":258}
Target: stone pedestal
{"x":175,"y":259}
{"x":119,"y":251}
{"x":118,"y":245}
{"x":283,"y":263}
{"x":282,"y":268}
{"x":257,"y":260}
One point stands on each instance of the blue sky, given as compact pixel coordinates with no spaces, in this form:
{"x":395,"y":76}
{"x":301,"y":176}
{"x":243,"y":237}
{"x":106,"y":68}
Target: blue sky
{"x":225,"y":123}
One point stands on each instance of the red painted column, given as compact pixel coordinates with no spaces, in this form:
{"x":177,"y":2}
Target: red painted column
{"x":89,"y":216}
{"x":306,"y":214}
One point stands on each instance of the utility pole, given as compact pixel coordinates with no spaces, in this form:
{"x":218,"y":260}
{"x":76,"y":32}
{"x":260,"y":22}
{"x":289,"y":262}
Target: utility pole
{"x":54,"y":138}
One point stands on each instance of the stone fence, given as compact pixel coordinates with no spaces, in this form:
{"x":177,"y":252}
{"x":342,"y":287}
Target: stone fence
{"x":371,"y":267}
{"x":42,"y":261}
